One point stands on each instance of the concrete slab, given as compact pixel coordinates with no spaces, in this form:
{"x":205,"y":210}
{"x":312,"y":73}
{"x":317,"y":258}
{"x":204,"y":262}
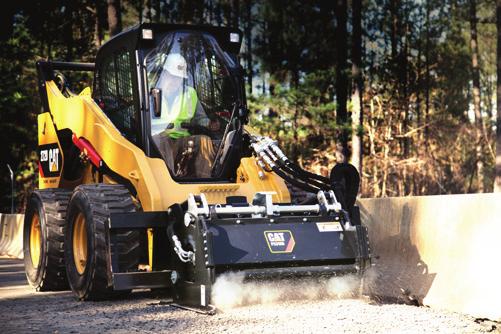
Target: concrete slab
{"x":441,"y":251}
{"x":11,"y":235}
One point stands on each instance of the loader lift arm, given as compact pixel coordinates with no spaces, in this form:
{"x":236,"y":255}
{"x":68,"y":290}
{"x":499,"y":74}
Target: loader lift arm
{"x":46,"y":71}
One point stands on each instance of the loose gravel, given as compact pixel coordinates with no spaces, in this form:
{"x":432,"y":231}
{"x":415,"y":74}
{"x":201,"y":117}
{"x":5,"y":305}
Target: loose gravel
{"x":61,"y":313}
{"x":24,"y":311}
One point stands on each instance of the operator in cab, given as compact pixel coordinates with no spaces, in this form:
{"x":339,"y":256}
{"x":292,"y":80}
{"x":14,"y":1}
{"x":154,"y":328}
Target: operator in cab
{"x":187,"y":154}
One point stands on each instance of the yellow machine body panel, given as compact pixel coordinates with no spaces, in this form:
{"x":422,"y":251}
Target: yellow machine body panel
{"x":156,"y":190}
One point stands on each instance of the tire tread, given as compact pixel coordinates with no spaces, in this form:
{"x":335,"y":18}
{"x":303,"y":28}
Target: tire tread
{"x":105,"y":199}
{"x":55,"y":202}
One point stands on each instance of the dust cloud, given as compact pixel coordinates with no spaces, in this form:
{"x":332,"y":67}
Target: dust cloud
{"x":230,"y":290}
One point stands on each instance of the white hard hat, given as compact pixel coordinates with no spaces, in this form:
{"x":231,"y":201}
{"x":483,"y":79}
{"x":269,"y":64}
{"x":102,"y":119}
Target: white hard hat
{"x":175,"y":64}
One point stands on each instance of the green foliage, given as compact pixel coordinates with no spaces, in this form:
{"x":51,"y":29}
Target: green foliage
{"x":417,"y":131}
{"x":297,"y":38}
{"x":41,"y":29}
{"x":17,"y":121}
{"x":302,"y":119}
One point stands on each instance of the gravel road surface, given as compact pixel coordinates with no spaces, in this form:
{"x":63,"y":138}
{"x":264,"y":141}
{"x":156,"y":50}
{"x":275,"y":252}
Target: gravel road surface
{"x":24,"y":311}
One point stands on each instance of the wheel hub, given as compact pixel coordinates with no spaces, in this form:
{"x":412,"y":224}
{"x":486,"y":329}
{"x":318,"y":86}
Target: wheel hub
{"x":35,"y":240}
{"x":80,"y":244}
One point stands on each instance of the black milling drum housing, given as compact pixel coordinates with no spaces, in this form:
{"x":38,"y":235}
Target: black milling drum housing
{"x":322,"y":237}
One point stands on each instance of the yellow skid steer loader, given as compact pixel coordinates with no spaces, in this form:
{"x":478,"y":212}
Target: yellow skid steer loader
{"x":151,"y":180}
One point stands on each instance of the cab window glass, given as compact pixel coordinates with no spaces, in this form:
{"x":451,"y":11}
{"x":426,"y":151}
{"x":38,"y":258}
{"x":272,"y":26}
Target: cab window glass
{"x":116,"y":96}
{"x":192,"y":95}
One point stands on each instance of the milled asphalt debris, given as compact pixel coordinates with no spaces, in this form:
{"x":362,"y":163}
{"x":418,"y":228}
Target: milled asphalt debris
{"x":22,"y":310}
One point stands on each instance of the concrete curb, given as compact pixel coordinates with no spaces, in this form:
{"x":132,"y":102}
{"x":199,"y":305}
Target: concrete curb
{"x":438,"y":251}
{"x":11,"y":235}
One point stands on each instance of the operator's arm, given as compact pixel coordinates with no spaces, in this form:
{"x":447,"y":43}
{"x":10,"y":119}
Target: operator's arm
{"x":200,"y":118}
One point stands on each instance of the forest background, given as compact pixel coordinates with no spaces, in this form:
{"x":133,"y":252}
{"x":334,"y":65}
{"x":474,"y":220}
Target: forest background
{"x":407,"y":91}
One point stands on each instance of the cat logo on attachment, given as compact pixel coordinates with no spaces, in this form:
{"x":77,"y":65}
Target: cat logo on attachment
{"x":280,"y":241}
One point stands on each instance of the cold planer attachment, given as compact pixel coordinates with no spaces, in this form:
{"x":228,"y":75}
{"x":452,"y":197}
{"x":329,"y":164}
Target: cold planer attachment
{"x":259,"y":239}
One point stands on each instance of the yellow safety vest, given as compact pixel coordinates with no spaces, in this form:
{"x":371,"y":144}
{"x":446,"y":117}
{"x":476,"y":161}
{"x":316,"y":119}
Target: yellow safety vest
{"x":182,"y":111}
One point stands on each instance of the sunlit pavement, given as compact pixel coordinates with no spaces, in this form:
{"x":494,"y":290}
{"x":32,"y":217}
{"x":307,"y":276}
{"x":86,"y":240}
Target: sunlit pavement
{"x":11,"y":275}
{"x":13,"y":281}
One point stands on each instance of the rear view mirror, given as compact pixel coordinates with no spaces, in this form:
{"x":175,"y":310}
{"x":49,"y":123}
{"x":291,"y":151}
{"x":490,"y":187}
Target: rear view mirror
{"x":156,"y":94}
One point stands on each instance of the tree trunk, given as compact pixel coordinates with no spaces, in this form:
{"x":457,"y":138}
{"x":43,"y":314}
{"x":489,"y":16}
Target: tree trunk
{"x":427,"y":77}
{"x":140,"y":10}
{"x":68,"y":31}
{"x":356,"y":97}
{"x":248,"y":39}
{"x":114,"y":17}
{"x":418,"y":85}
{"x":497,"y":181}
{"x":236,"y":13}
{"x":158,"y":11}
{"x":342,"y":153}
{"x":218,"y":14}
{"x":188,"y":12}
{"x":200,"y":11}
{"x":97,"y":37}
{"x":98,"y":26}
{"x":394,"y":5}
{"x":149,"y":10}
{"x":376,"y":190}
{"x":295,"y":144}
{"x":210,"y":11}
{"x":404,"y":68}
{"x":405,"y":96}
{"x":476,"y":95}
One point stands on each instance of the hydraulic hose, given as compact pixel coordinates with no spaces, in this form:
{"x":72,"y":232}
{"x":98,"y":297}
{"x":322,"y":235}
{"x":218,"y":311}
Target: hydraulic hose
{"x":267,"y":160}
{"x":271,"y":156}
{"x":183,"y":255}
{"x":295,"y":167}
{"x":295,"y":173}
{"x":282,"y":164}
{"x":321,"y":178}
{"x":294,"y":182}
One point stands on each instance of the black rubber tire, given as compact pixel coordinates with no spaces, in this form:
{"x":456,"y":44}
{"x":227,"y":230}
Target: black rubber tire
{"x":96,"y":202}
{"x":50,"y":205}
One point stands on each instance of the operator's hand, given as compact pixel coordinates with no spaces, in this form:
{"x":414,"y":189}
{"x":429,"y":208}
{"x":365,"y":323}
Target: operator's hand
{"x":214,"y":125}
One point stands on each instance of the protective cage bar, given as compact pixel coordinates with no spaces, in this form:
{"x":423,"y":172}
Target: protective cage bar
{"x":45,"y":71}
